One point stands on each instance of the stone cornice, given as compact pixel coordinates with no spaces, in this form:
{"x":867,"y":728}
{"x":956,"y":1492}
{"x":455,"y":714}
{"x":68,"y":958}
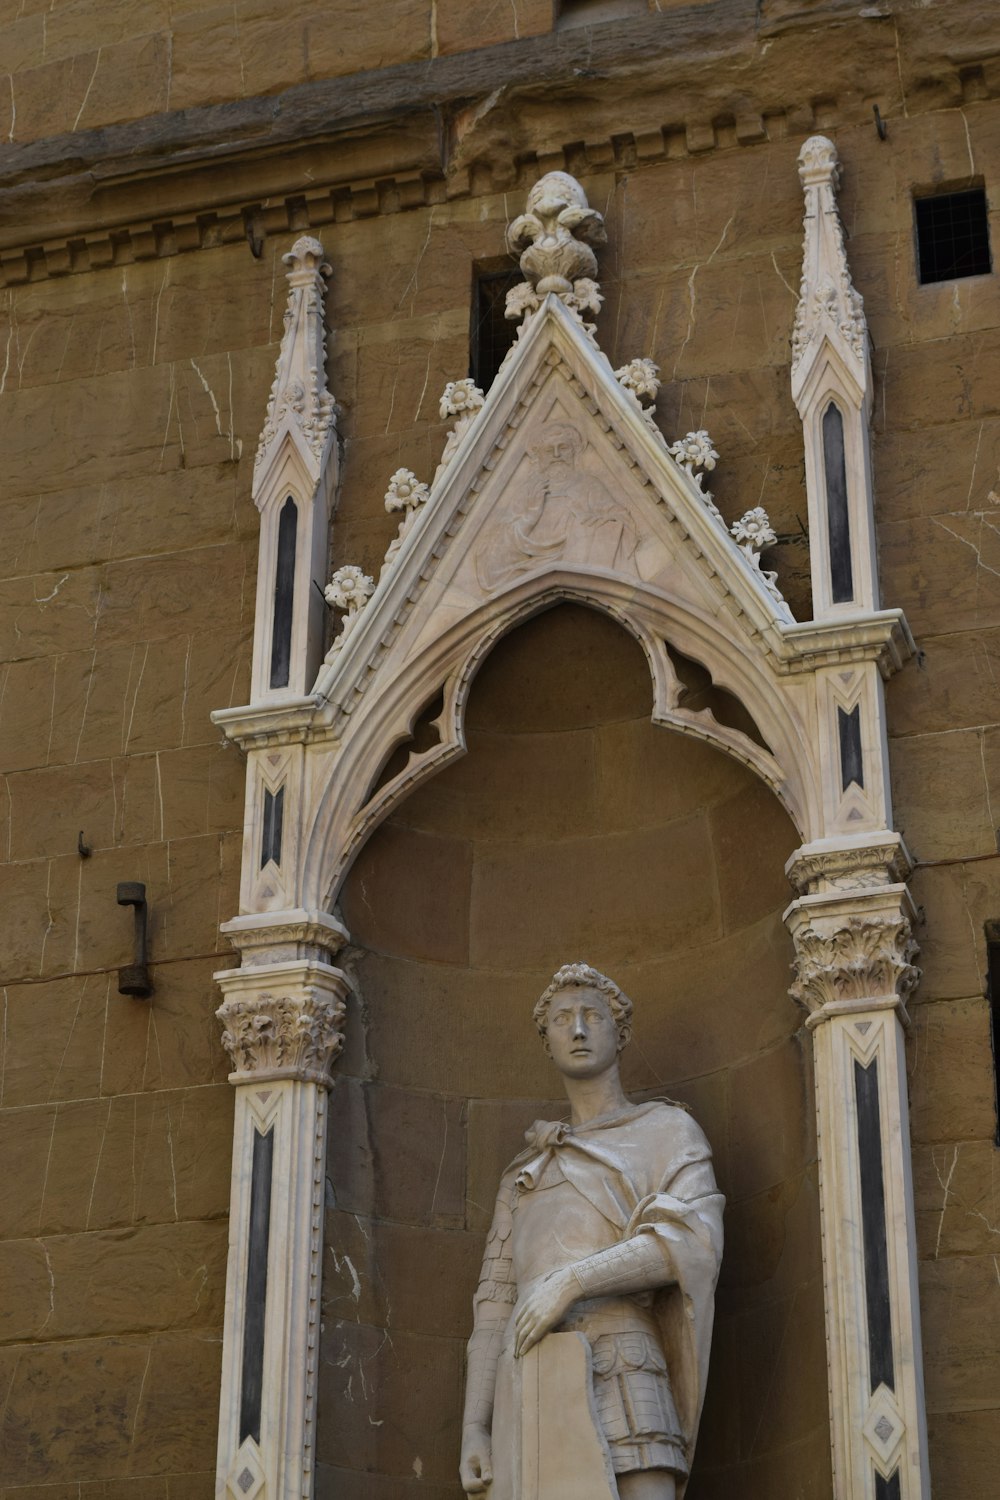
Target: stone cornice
{"x":397,"y":138}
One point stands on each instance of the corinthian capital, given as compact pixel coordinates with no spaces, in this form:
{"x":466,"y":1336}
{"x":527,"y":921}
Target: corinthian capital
{"x":283,"y":1021}
{"x":853,"y":952}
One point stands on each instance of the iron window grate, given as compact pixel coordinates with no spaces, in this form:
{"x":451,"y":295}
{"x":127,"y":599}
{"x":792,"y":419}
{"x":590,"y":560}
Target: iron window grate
{"x":953,"y":236}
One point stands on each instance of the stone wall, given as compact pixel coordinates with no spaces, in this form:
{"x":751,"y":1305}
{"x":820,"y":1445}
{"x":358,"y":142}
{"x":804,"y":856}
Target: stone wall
{"x":573,"y":829}
{"x":127,"y":425}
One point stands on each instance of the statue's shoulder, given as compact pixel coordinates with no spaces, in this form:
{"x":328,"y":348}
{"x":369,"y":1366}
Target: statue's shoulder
{"x":667,"y":1121}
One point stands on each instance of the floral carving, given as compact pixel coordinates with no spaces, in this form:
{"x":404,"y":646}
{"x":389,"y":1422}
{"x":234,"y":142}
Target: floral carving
{"x":828,"y":300}
{"x":283,"y":1036}
{"x":694,"y":451}
{"x":298,"y":391}
{"x":460,"y":398}
{"x":349,"y":590}
{"x":642,"y":378}
{"x":405,"y":491}
{"x":752,"y":533}
{"x":554,"y":239}
{"x":867,"y":958}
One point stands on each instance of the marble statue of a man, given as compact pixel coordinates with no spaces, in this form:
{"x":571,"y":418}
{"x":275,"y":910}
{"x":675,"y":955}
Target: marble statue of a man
{"x":609,"y":1226}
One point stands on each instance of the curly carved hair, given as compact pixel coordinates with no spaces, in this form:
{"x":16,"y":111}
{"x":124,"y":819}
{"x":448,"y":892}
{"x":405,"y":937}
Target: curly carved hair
{"x":581,"y":976}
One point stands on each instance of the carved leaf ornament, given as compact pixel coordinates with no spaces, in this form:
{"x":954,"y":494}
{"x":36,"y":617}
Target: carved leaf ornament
{"x":865,"y":958}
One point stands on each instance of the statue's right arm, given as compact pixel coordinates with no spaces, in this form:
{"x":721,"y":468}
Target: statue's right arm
{"x":492,"y":1305}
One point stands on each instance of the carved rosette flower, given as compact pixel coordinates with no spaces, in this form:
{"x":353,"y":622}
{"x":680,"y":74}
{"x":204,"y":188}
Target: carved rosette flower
{"x":460,"y":398}
{"x":694,"y":451}
{"x":349,"y":590}
{"x":282,"y":1036}
{"x":642,"y":378}
{"x":867,"y":958}
{"x":405,"y":492}
{"x":753,"y":531}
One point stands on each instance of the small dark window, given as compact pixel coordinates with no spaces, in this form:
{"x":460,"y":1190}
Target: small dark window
{"x":953,"y":236}
{"x":284,"y":595}
{"x":837,"y":514}
{"x":492,"y":333}
{"x":993,"y":995}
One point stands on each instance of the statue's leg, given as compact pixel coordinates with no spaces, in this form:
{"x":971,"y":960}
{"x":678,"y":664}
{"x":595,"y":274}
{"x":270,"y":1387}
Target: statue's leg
{"x":647,"y":1484}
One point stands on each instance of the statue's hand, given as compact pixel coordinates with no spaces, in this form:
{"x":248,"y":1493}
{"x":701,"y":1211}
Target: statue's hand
{"x":476,"y":1470}
{"x":544,"y":1309}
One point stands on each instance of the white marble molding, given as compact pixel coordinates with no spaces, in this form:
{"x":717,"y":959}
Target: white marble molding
{"x":472,"y":560}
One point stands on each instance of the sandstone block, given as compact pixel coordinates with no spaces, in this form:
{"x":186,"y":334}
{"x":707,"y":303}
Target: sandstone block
{"x":942,"y":794}
{"x":950,"y":1071}
{"x":455,"y":1023}
{"x":751,"y":888}
{"x":769,"y":1144}
{"x":176,"y":1425}
{"x":430,"y":1276}
{"x":120,"y":81}
{"x":409,"y":1406}
{"x":460,"y":29}
{"x":956,"y":900}
{"x":960,"y":1316}
{"x":518,"y":786}
{"x":386,"y":907}
{"x":957,"y":1201}
{"x":586,"y":893}
{"x":564,"y":669}
{"x":75,"y":1286}
{"x":72,"y":1406}
{"x":54,"y":1038}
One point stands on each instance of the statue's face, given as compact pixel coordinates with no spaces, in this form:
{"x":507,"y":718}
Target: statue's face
{"x":581,"y":1032}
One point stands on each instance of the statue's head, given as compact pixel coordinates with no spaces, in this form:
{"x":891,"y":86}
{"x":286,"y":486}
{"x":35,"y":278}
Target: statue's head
{"x":581,"y":977}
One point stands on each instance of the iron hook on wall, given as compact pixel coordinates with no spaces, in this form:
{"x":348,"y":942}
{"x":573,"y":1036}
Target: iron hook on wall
{"x":134,"y":978}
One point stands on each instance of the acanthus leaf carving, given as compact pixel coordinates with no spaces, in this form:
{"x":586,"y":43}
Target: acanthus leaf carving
{"x":865,"y":957}
{"x":283,"y":1036}
{"x":298,"y":392}
{"x":554,"y":238}
{"x":828,"y":300}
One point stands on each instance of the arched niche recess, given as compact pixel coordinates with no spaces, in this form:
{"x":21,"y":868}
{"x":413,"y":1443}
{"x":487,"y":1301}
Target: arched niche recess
{"x":573,"y":828}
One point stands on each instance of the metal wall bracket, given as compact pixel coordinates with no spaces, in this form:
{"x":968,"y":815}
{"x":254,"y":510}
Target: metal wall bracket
{"x":134,"y":978}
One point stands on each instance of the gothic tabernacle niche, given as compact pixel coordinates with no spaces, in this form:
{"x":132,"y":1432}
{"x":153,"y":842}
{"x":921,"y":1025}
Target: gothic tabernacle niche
{"x":560,"y":486}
